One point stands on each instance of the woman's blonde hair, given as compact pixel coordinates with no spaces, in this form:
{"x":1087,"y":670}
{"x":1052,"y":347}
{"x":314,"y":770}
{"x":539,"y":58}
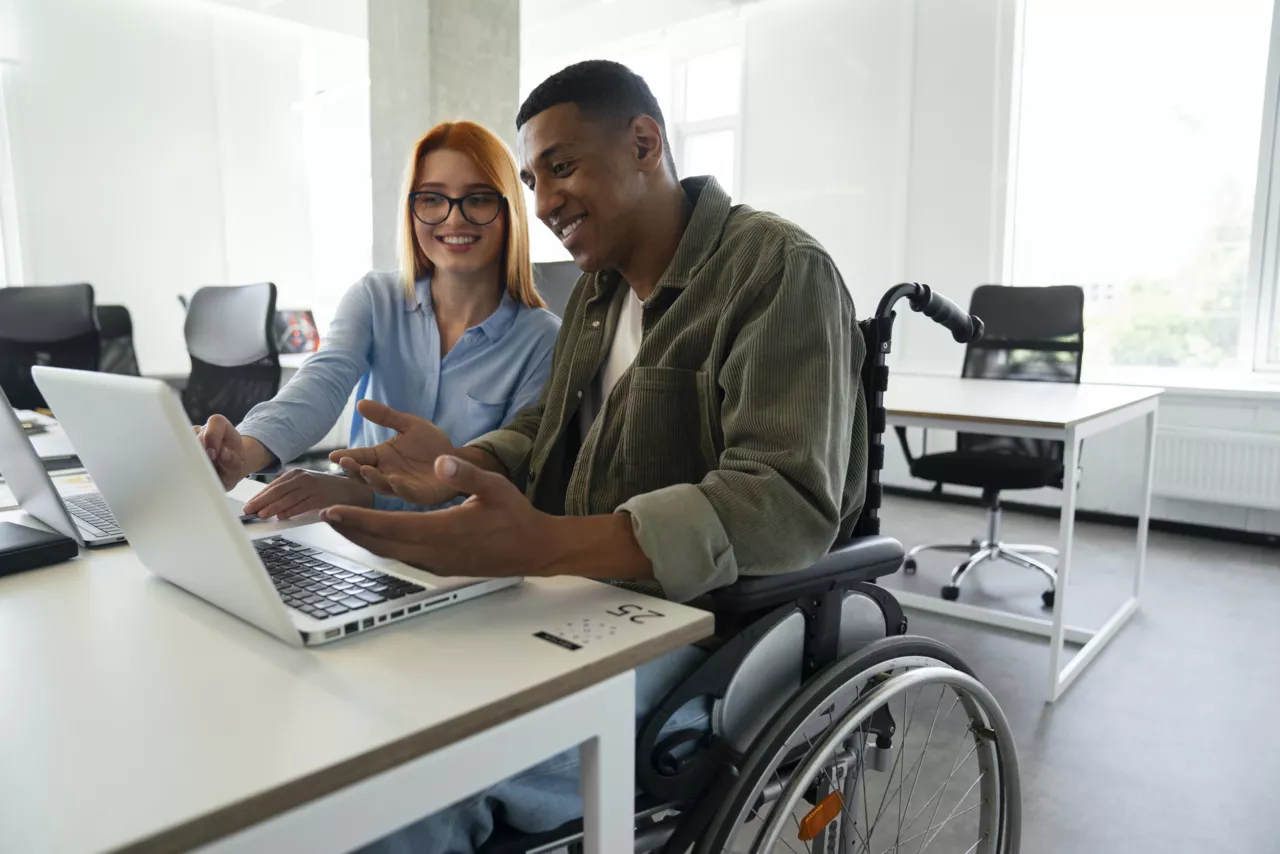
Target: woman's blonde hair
{"x":498,"y":167}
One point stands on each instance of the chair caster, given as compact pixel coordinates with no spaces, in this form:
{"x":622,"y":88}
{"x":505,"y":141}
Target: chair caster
{"x":951,"y":593}
{"x":1047,"y":598}
{"x":909,"y":566}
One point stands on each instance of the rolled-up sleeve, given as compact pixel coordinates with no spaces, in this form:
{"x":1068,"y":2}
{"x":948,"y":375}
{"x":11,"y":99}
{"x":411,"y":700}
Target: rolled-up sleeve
{"x":309,"y":405}
{"x":788,"y":386}
{"x":511,"y":447}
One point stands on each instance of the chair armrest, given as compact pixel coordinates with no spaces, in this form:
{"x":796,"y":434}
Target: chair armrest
{"x":862,"y":559}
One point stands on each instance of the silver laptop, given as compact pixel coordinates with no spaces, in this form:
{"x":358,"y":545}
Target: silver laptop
{"x":82,"y":516}
{"x":133,"y":436}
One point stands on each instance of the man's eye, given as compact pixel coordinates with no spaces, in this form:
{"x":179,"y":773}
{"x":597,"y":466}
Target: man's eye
{"x":561,"y":169}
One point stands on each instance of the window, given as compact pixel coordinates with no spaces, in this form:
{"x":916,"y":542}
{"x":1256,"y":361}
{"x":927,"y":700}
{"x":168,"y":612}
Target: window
{"x":1264,"y":272}
{"x":1137,"y":163}
{"x":711,"y":153}
{"x":706,"y":127}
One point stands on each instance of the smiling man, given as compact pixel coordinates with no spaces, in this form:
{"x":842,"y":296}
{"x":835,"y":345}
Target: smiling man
{"x":703,"y":418}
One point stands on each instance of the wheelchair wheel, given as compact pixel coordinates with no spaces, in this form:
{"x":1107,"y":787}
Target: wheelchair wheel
{"x":896,"y":748}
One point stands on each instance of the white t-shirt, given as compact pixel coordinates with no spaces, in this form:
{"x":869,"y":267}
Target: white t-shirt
{"x":622,"y":352}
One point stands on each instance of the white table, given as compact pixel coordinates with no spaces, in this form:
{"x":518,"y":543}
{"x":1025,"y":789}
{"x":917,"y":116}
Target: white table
{"x":1039,"y":410}
{"x":138,"y":718}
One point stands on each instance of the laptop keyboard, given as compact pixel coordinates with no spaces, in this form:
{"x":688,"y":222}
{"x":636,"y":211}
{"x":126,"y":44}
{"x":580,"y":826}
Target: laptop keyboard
{"x":92,"y":510}
{"x":317,"y":588}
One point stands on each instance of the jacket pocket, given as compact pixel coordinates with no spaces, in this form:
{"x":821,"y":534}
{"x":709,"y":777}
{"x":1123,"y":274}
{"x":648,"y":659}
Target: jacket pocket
{"x":666,"y":435}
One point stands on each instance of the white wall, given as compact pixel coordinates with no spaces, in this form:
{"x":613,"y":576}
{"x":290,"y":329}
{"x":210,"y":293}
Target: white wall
{"x":826,"y":129}
{"x":157,"y":148}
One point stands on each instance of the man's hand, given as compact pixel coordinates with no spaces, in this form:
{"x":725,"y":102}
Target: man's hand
{"x":404,"y":464}
{"x":296,"y":492}
{"x":233,"y":456}
{"x":495,"y":532}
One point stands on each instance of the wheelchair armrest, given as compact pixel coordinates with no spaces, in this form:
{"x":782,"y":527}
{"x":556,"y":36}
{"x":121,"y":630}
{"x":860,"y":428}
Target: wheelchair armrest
{"x":861,"y":559}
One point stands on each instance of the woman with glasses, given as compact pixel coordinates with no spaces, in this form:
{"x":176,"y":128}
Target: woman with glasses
{"x":458,"y":335}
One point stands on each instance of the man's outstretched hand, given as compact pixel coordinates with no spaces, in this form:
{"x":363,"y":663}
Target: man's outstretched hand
{"x":495,"y":532}
{"x":404,"y":465}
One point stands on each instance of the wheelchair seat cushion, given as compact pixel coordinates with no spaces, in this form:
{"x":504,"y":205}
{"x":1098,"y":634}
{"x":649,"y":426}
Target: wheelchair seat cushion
{"x":988,"y":471}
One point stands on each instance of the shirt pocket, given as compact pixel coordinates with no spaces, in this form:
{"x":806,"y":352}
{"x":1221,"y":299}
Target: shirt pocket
{"x":666,"y":430}
{"x":484,"y":416}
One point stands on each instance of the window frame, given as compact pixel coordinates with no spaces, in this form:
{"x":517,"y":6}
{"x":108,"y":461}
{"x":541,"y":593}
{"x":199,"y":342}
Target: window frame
{"x":728,"y":34}
{"x":1260,"y":340}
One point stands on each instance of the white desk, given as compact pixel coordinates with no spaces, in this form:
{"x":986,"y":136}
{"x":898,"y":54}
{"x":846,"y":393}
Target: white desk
{"x":137,"y":718}
{"x":1039,"y":410}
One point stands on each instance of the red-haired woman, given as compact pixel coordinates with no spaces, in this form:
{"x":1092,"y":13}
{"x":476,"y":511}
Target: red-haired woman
{"x":458,"y":335}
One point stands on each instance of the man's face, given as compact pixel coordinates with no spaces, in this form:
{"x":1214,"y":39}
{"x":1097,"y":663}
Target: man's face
{"x":586,"y":183}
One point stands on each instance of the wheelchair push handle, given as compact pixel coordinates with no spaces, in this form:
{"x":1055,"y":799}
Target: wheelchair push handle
{"x":964,"y":327}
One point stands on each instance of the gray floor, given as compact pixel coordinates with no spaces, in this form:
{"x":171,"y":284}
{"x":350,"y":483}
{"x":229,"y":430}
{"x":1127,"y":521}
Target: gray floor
{"x":1170,"y":741}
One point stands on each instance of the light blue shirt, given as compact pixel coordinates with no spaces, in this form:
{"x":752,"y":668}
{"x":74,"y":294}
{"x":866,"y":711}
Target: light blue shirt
{"x":392,"y":349}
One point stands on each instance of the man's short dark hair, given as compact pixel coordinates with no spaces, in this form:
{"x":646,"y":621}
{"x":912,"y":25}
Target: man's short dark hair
{"x":603,"y":90}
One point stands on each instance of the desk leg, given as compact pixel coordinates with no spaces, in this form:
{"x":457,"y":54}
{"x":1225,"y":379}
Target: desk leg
{"x":608,"y":772}
{"x":1144,"y":518}
{"x":1066,"y":534}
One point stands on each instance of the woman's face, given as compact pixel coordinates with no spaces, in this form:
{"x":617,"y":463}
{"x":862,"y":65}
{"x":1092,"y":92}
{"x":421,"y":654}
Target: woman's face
{"x":455,"y":243}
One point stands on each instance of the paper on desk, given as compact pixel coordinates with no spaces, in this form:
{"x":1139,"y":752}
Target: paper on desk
{"x":68,"y":483}
{"x":35,"y":417}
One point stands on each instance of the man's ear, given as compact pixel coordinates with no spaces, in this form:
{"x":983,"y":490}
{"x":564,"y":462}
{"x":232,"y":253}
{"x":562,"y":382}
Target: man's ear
{"x":646,"y":141}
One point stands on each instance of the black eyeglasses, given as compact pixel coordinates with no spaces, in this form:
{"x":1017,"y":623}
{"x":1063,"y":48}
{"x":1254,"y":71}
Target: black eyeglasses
{"x":431,"y":208}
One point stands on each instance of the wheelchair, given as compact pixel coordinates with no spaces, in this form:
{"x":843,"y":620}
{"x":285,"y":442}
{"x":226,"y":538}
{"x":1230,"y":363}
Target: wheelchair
{"x":832,"y":729}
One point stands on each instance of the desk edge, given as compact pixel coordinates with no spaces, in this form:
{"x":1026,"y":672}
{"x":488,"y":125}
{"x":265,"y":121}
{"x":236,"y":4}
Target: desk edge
{"x":270,"y":803}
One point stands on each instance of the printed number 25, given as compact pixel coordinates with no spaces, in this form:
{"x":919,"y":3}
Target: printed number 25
{"x":637,"y":613}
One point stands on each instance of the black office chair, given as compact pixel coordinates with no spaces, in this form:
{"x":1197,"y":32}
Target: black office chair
{"x":44,"y":325}
{"x":555,"y":281}
{"x":1032,"y":334}
{"x":235,"y":364}
{"x":116,"y":329}
{"x":814,"y":687}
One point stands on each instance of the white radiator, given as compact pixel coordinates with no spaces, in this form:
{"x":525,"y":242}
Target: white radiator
{"x":1220,"y":466}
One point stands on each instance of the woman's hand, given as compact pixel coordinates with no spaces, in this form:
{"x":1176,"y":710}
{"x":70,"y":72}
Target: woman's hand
{"x":296,"y":492}
{"x":234,"y":457}
{"x":404,"y":465}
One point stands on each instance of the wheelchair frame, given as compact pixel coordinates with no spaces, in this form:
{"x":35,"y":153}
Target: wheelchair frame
{"x":695,"y":784}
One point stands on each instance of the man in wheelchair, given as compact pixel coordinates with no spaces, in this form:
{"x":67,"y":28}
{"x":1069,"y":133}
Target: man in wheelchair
{"x":703,"y":423}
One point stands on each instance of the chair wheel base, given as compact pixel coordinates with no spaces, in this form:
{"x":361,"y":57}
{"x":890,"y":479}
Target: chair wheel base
{"x":909,"y":566}
{"x":951,"y":593}
{"x":1047,"y":598}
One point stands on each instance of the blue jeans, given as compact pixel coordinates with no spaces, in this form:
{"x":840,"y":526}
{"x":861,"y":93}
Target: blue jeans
{"x":546,"y":795}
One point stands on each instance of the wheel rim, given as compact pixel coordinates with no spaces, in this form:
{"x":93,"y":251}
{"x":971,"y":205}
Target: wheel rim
{"x":941,"y":791}
{"x":895,"y":821}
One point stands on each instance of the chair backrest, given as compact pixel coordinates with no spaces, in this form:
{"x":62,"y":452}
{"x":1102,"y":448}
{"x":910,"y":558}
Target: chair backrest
{"x":1034,"y":334}
{"x":555,"y":281}
{"x":235,"y":363}
{"x":117,"y":353}
{"x":44,"y":325}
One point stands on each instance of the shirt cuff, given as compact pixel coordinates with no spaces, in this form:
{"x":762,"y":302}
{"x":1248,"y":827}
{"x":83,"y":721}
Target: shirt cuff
{"x":512,"y":450}
{"x":391,"y":502}
{"x":681,"y":534}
